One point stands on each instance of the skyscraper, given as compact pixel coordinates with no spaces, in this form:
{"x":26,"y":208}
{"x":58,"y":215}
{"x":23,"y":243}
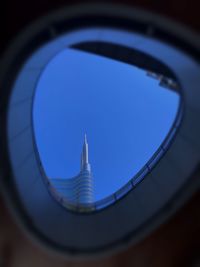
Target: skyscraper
{"x":78,"y":190}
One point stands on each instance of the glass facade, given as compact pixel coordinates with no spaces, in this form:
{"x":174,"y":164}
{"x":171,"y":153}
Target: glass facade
{"x":77,"y":190}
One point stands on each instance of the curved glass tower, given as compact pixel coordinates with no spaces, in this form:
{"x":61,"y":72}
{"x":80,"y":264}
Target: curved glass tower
{"x":79,"y":189}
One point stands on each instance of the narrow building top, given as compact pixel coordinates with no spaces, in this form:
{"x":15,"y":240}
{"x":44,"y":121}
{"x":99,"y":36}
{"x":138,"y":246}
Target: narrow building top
{"x":84,"y":155}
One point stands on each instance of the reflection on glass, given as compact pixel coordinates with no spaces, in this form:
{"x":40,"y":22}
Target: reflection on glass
{"x":124,"y":112}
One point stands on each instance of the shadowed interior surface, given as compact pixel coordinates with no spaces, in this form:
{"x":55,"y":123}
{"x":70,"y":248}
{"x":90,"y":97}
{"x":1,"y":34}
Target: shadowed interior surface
{"x":147,"y":189}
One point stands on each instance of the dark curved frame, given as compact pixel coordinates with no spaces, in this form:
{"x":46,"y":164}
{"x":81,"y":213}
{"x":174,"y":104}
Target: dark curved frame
{"x":97,"y":15}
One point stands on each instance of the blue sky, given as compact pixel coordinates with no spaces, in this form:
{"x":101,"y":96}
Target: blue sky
{"x":125,"y":114}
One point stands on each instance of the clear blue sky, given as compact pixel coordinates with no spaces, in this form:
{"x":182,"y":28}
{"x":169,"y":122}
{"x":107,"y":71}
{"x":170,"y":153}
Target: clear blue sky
{"x":125,"y":114}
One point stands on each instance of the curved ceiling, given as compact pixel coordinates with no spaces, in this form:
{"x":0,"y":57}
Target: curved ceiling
{"x":165,"y":187}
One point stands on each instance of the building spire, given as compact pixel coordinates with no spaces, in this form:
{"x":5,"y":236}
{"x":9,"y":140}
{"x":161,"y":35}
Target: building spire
{"x":84,"y":155}
{"x":85,"y":139}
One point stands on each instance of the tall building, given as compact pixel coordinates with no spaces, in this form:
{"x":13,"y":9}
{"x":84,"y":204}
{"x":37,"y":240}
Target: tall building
{"x":79,"y":189}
